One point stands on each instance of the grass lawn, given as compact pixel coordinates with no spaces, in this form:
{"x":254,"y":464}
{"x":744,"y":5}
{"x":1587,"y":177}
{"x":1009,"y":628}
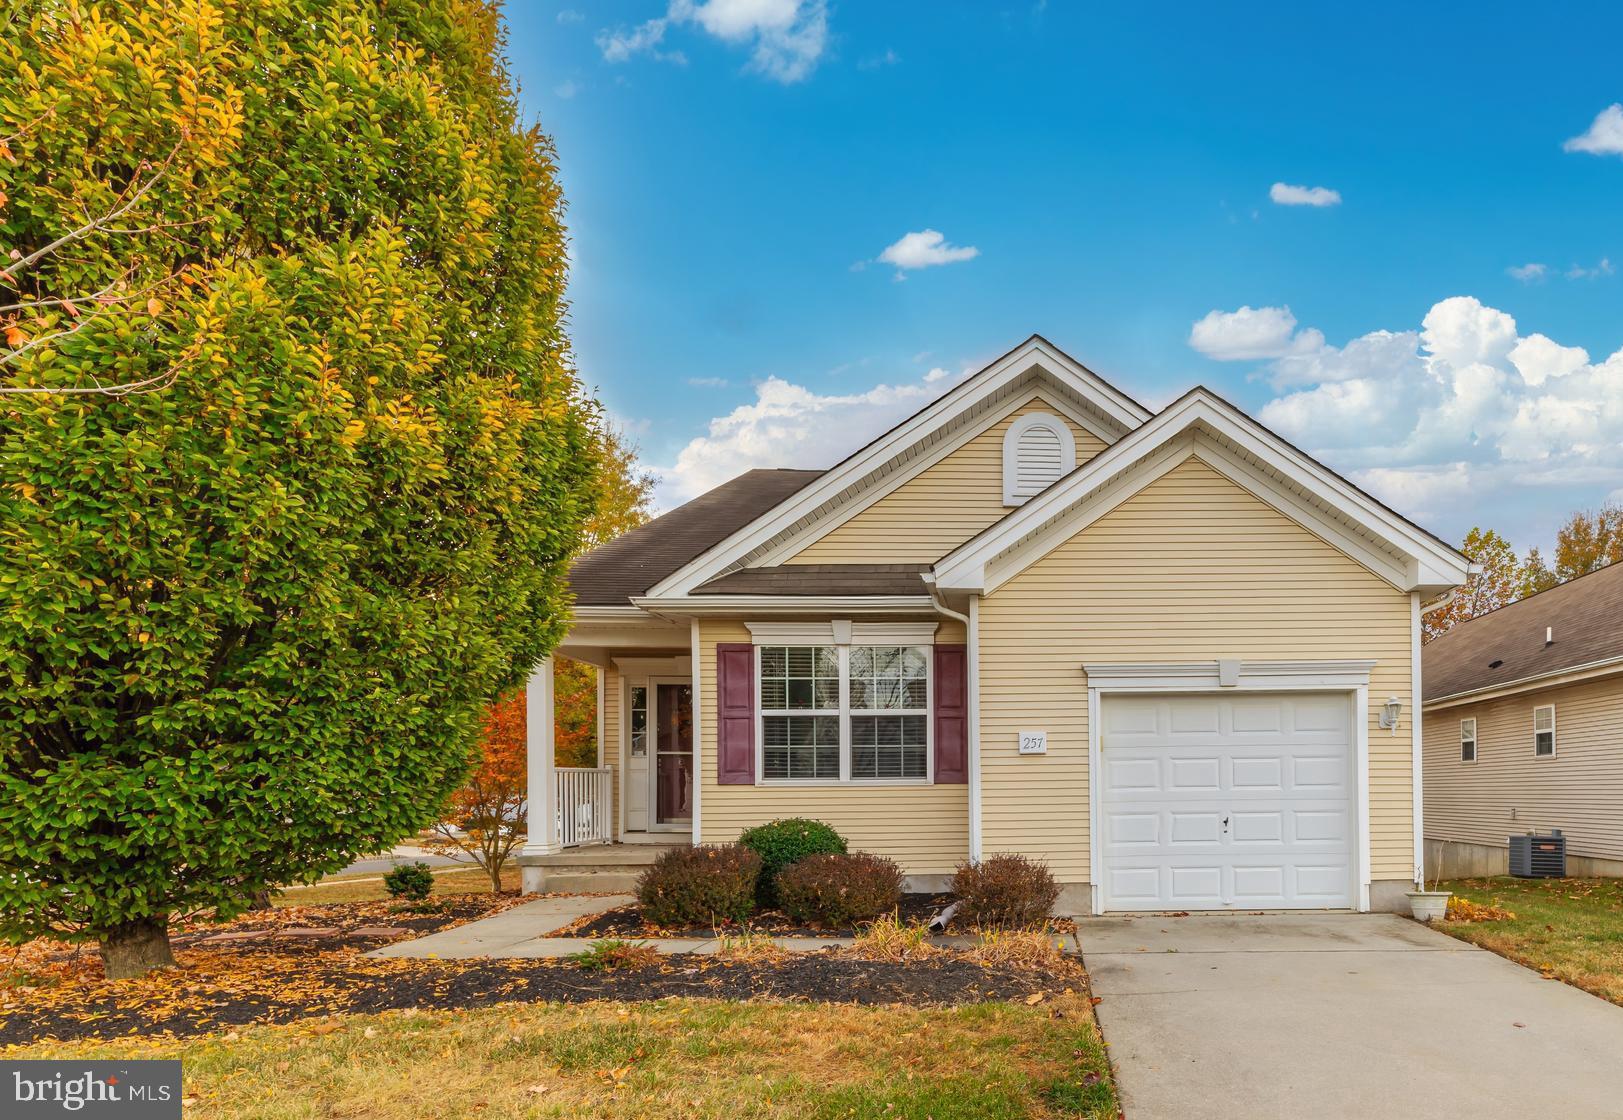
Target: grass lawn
{"x":368,"y":887}
{"x":709,"y":1060}
{"x":1571,"y":929}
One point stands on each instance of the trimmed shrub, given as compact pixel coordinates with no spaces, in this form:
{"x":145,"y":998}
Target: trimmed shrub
{"x":837,"y":890}
{"x":705,"y":886}
{"x":1005,"y":892}
{"x":410,"y":881}
{"x":786,"y":842}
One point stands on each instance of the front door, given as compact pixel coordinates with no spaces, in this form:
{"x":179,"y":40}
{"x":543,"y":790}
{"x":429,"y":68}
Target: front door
{"x":673,"y":755}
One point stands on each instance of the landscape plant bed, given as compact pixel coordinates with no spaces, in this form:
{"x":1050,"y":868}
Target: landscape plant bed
{"x":627,"y":921}
{"x":219,"y":988}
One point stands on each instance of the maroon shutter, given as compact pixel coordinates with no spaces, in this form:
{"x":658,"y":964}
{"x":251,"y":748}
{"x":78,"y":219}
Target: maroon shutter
{"x":735,"y":714}
{"x":951,"y":715}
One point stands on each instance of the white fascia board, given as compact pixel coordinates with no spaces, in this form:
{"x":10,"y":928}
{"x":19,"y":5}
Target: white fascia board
{"x":793,"y":542}
{"x":688,"y":605}
{"x":1537,"y":682}
{"x":1148,"y":453}
{"x":1011,"y":367}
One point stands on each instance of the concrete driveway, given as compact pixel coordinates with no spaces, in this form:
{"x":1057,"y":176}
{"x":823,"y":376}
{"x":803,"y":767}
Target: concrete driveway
{"x":1341,"y":1015}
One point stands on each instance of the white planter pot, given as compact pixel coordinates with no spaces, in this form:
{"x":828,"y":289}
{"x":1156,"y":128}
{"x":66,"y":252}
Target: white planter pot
{"x":1429,"y":906}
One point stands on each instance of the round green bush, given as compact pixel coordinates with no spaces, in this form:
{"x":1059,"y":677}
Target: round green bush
{"x":410,"y":881}
{"x":785,"y":842}
{"x":1005,"y":892}
{"x":839,"y":890}
{"x":706,"y":886}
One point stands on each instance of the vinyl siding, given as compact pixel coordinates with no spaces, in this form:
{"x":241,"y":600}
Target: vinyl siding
{"x":929,"y":515}
{"x":1579,"y":790}
{"x":923,"y":828}
{"x":1193,"y":568}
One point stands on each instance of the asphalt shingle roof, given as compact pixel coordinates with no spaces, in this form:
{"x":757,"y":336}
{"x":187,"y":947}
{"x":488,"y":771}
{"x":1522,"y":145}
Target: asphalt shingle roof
{"x":821,"y":579}
{"x":1507,"y":645}
{"x":610,"y":574}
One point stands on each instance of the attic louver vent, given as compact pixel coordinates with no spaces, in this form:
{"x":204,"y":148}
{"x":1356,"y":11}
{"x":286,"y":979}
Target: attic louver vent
{"x":1037,"y":450}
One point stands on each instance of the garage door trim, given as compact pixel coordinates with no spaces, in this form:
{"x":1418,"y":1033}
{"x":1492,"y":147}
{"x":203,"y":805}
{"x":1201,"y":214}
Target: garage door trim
{"x":1229,"y":676}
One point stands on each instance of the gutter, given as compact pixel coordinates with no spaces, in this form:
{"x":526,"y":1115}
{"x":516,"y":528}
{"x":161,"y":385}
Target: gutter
{"x":1522,"y":684}
{"x":972,"y":642}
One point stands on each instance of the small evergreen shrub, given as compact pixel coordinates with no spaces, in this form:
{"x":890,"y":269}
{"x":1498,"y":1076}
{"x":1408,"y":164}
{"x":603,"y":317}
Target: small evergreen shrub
{"x":410,"y":881}
{"x":705,"y":886}
{"x":1005,"y":892}
{"x":837,"y":890}
{"x":783,"y":843}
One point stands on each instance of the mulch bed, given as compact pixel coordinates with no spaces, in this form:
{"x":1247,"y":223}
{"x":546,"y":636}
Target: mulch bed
{"x":308,"y":961}
{"x":212,"y":991}
{"x":627,"y":922}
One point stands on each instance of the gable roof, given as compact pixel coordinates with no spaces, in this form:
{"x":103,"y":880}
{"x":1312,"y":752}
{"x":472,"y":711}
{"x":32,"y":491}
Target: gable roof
{"x":610,"y":574}
{"x":1204,"y":424}
{"x":930,"y":433}
{"x":1506,"y":647}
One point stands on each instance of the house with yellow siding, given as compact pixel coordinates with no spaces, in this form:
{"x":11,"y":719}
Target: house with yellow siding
{"x":1166,"y":653}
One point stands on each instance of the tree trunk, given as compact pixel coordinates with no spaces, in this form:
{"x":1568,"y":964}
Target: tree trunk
{"x":261,"y":900}
{"x":493,"y":867}
{"x":136,"y":947}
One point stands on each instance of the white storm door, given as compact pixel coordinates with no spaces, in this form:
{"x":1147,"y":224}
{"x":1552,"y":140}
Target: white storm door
{"x":1240,"y":801}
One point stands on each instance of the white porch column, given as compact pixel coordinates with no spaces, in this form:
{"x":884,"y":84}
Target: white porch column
{"x":543,"y":789}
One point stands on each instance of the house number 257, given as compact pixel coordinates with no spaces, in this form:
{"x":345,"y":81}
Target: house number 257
{"x":1033,"y":742}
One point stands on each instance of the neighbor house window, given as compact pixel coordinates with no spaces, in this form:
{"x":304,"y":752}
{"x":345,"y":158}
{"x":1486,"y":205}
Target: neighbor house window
{"x":1544,"y":731}
{"x":639,"y":721}
{"x":800,"y":712}
{"x":837,"y":713}
{"x":1467,"y":740}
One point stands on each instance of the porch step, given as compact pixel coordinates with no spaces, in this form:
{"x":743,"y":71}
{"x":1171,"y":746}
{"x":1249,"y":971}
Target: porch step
{"x":592,"y":869}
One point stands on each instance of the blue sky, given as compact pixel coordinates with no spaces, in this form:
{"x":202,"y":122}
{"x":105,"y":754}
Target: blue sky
{"x":737,"y":170}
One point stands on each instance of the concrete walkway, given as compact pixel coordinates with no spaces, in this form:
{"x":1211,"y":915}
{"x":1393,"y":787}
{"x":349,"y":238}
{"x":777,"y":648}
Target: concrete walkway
{"x":1338,"y":1016}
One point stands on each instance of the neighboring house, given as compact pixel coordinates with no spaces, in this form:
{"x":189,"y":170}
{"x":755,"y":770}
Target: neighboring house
{"x":1524,"y":730}
{"x":1157,"y":650}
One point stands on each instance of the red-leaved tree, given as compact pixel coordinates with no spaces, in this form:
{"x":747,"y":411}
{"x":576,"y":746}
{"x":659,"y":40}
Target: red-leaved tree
{"x":485,"y":820}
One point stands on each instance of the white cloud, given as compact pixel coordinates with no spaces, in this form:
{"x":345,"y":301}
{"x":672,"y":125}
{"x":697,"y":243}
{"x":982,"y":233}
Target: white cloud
{"x":1464,"y":419}
{"x":708,"y":382}
{"x":567,"y":89}
{"x":1605,"y":135}
{"x":785,"y":37}
{"x":1286,"y":194}
{"x":786,"y":425}
{"x":925,"y":249}
{"x":1250,"y":332}
{"x":1529,"y":272}
{"x":879,"y":61}
{"x":621,"y":44}
{"x":936,"y":374}
{"x":1602,"y":268}
{"x":570,"y":15}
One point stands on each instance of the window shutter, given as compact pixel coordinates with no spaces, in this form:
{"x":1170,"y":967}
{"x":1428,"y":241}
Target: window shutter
{"x":951,"y":715}
{"x":1040,"y":460}
{"x":735,"y":714}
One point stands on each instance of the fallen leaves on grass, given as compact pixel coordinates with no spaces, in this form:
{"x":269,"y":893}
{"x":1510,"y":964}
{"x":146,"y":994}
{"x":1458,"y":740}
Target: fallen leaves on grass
{"x":1464,"y":910}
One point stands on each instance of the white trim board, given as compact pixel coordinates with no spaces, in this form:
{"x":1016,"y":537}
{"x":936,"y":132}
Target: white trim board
{"x":1113,"y":406}
{"x":1201,"y":424}
{"x":1127,"y":678}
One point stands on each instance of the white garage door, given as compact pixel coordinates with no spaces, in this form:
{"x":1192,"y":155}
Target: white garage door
{"x":1215,"y":802}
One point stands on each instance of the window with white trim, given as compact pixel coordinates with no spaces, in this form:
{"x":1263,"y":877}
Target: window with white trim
{"x":890,"y":711}
{"x":639,"y":721}
{"x":1544,"y":731}
{"x":844,"y":713}
{"x":800,"y":712}
{"x":1467,"y":740}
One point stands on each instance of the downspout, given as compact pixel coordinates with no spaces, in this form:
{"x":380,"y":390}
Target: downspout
{"x":972,"y":642}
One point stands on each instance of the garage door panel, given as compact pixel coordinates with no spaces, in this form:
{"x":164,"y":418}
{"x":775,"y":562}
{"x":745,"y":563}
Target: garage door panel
{"x":1219,"y":802}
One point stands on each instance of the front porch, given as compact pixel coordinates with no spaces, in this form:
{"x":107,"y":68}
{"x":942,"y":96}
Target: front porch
{"x":593,"y":829}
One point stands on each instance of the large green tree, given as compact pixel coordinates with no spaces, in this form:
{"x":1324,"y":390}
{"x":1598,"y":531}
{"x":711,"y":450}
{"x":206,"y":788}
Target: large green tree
{"x":293,"y":452}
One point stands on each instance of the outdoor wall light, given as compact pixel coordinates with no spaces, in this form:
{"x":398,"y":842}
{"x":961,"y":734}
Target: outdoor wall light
{"x":1389,"y":713}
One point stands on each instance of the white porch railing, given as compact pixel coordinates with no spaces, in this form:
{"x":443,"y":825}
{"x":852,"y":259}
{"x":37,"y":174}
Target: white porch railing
{"x":585,"y":800}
